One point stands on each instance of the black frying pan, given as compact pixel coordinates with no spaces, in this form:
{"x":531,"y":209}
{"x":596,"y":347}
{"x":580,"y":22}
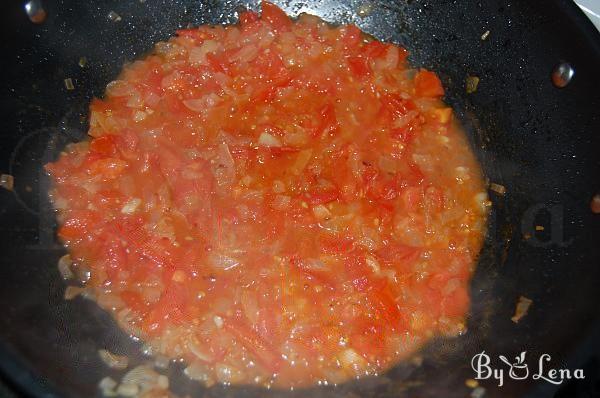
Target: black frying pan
{"x":539,"y":141}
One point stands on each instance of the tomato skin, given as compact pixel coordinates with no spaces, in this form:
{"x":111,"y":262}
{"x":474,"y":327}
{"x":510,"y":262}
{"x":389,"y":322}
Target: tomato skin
{"x":217,"y":63}
{"x":428,"y":84}
{"x":388,"y":307}
{"x":78,"y":224}
{"x":275,"y":17}
{"x":248,"y":17}
{"x":265,"y":95}
{"x":359,"y":66}
{"x":397,"y":105}
{"x":375,"y":49}
{"x":396,"y":252}
{"x":104,"y":145}
{"x":323,"y":197}
{"x":335,"y":245}
{"x":352,"y":36}
{"x":108,"y":168}
{"x":271,"y":65}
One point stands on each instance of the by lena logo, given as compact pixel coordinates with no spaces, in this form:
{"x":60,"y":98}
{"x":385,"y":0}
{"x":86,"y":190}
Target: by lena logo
{"x":519,"y":370}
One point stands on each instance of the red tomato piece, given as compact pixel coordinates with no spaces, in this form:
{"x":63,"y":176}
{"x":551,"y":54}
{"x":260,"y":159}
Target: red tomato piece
{"x":275,"y":17}
{"x":428,"y":84}
{"x":352,"y":36}
{"x":334,"y":244}
{"x":323,"y":197}
{"x":104,"y":145}
{"x":359,"y":66}
{"x":247,"y":17}
{"x":375,"y":49}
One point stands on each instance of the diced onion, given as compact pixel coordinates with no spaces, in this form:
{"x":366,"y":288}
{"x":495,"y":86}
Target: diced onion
{"x":64,"y":267}
{"x":218,"y":321}
{"x":114,"y":17}
{"x":199,"y":372}
{"x":482,"y":201}
{"x":144,"y":377}
{"x":113,"y":361}
{"x":301,"y":161}
{"x":392,"y":57}
{"x":107,"y":385}
{"x":198,"y":54}
{"x":472,"y":82}
{"x":224,"y":170}
{"x":246,"y":54}
{"x":118,"y":88}
{"x":197,"y":351}
{"x":162,"y":382}
{"x":352,"y":360}
{"x":499,"y":189}
{"x":268,"y":140}
{"x":373,"y":264}
{"x":202,"y":104}
{"x":135,"y":100}
{"x":161,"y":362}
{"x":7,"y":182}
{"x":227,"y":374}
{"x":278,"y":186}
{"x":128,"y":390}
{"x":131,"y":206}
{"x":222,"y":262}
{"x":281,"y":202}
{"x":321,"y":212}
{"x":313,"y":264}
{"x":69,"y":84}
{"x":521,"y":309}
{"x":73,"y":291}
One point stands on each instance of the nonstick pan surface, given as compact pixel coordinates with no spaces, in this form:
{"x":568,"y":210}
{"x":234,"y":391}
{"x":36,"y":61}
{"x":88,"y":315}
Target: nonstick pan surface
{"x":542,"y":143}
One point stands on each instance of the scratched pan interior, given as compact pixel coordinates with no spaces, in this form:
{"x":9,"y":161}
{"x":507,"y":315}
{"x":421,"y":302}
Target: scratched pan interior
{"x":542,"y":143}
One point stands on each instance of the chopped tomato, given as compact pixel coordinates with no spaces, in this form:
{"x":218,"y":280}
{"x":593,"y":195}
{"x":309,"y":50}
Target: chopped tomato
{"x":359,"y":66}
{"x":398,"y":253}
{"x":397,"y":105}
{"x":427,"y":84}
{"x":78,"y":223}
{"x":247,"y":17}
{"x":275,"y":17}
{"x":104,"y":145}
{"x":333,"y":244}
{"x":375,"y":49}
{"x":352,"y":36}
{"x":322,"y":197}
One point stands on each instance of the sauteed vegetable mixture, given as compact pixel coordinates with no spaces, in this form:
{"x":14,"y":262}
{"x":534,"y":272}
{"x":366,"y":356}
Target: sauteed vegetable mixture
{"x":282,"y":203}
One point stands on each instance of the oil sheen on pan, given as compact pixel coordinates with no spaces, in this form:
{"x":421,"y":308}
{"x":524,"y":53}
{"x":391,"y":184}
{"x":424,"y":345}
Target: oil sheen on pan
{"x":280,"y":203}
